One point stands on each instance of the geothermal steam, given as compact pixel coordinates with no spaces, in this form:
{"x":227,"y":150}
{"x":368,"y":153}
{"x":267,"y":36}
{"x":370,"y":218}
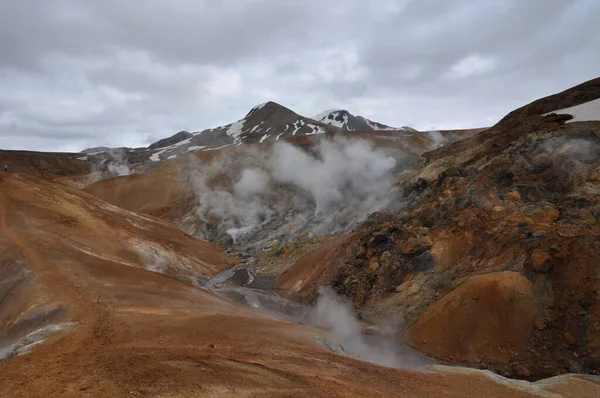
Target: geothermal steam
{"x":289,"y":190}
{"x":334,"y":314}
{"x":114,"y":165}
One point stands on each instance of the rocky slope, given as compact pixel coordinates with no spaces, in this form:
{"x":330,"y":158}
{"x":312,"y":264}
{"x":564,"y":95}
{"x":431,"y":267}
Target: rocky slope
{"x":47,"y":165}
{"x":493,"y":260}
{"x":83,"y":282}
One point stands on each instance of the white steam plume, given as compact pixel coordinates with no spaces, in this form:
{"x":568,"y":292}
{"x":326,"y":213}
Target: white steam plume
{"x":288,"y":190}
{"x":114,"y":165}
{"x":334,"y":314}
{"x":344,"y":171}
{"x":153,"y":259}
{"x":118,"y":165}
{"x":437,"y":139}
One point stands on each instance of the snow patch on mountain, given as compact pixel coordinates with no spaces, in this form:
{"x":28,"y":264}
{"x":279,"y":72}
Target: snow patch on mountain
{"x":297,"y":126}
{"x":235,"y":129}
{"x":378,"y":126}
{"x":330,"y":117}
{"x":195,"y":148}
{"x":156,"y":155}
{"x":219,"y":147}
{"x":257,"y":107}
{"x":334,"y":117}
{"x":409,"y":129}
{"x":326,"y":113}
{"x":316,"y":129}
{"x":586,"y":112}
{"x":255,"y":127}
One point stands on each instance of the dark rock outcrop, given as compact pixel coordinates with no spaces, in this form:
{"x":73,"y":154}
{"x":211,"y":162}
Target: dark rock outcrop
{"x":174,"y":139}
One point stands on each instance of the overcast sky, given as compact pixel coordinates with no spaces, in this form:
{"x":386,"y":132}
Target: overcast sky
{"x":77,"y":74}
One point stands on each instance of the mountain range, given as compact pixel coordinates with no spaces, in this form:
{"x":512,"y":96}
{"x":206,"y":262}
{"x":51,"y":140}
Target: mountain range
{"x":266,"y":122}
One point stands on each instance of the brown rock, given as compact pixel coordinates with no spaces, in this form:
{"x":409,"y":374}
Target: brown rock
{"x":541,"y":162}
{"x":545,"y":213}
{"x":386,"y":256}
{"x":416,"y":245}
{"x":492,"y":327}
{"x":595,"y":175}
{"x":522,"y":371}
{"x":540,"y":324}
{"x":569,"y":338}
{"x":567,"y":233}
{"x":514,"y":196}
{"x":541,"y":261}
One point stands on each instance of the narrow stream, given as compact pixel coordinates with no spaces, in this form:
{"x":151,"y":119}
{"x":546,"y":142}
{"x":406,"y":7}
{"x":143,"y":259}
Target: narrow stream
{"x":330,"y":314}
{"x":237,"y":283}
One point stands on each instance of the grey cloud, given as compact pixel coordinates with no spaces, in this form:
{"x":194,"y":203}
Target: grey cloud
{"x":523,"y":36}
{"x":179,"y":31}
{"x":108,"y":72}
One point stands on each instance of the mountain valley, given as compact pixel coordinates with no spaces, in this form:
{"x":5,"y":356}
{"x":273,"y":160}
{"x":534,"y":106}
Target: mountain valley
{"x":329,"y":256}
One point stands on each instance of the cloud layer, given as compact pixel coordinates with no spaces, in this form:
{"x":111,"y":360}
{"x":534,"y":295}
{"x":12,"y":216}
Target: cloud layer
{"x":79,"y":74}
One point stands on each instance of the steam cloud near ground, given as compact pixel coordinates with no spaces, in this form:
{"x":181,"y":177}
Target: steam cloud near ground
{"x":338,"y":184}
{"x":578,"y":149}
{"x":115,"y":165}
{"x":334,"y":314}
{"x":572,"y":158}
{"x":118,"y":165}
{"x":437,"y":139}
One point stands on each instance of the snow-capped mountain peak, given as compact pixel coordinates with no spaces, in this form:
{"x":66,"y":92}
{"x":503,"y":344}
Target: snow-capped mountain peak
{"x":268,"y":121}
{"x":345,"y":120}
{"x":334,"y":117}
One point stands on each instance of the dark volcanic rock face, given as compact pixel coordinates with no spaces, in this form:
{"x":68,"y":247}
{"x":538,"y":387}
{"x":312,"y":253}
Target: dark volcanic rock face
{"x":210,"y":138}
{"x":174,"y":139}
